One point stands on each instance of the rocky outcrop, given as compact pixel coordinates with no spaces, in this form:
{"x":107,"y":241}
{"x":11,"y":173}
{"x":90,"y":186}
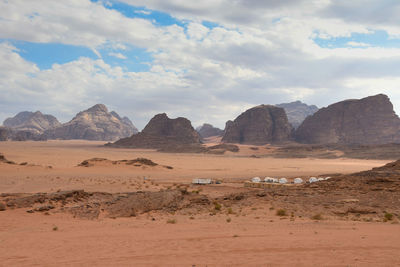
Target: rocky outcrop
{"x":126,"y":121}
{"x":162,"y":132}
{"x":9,"y":134}
{"x":297,"y":112}
{"x":5,"y":133}
{"x":34,"y":122}
{"x":259,"y":125}
{"x":207,"y":130}
{"x":369,"y":120}
{"x":96,"y":123}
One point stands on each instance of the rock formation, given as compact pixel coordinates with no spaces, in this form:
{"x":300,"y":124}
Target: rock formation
{"x":162,"y":132}
{"x":126,"y":121}
{"x":369,"y":120}
{"x":96,"y":123}
{"x":34,"y":122}
{"x":259,"y":125}
{"x":297,"y":112}
{"x":9,"y":134}
{"x":207,"y":130}
{"x":4,"y":133}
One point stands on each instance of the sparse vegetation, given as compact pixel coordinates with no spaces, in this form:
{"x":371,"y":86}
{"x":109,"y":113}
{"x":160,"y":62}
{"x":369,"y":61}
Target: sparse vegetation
{"x":388,"y":216}
{"x":317,"y":217}
{"x":230,"y":211}
{"x":217,"y":206}
{"x":55,"y":228}
{"x":228,"y":220}
{"x":281,"y":212}
{"x":172,"y":221}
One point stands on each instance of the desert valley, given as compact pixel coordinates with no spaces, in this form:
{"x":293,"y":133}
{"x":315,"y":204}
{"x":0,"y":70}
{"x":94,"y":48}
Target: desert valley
{"x":95,"y":191}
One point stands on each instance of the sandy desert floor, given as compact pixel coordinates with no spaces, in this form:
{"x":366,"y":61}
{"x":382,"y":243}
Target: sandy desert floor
{"x":255,"y":236}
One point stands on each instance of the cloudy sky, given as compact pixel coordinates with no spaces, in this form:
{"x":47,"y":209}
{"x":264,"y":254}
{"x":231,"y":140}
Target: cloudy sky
{"x":207,"y":60}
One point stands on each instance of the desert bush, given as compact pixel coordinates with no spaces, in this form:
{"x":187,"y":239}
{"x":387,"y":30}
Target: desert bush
{"x":172,"y":221}
{"x":317,"y":217}
{"x":281,"y":212}
{"x":217,"y":206}
{"x":388,"y":216}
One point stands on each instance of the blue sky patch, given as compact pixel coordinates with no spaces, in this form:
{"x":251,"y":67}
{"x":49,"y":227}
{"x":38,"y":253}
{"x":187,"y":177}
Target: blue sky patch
{"x":158,"y":18}
{"x":360,"y":40}
{"x":44,"y":55}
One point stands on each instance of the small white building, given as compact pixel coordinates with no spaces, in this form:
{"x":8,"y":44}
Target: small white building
{"x":256,"y":179}
{"x":201,"y":181}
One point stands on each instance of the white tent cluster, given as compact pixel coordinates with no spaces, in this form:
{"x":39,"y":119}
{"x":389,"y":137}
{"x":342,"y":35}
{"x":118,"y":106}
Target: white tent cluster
{"x":315,"y":179}
{"x":298,"y":180}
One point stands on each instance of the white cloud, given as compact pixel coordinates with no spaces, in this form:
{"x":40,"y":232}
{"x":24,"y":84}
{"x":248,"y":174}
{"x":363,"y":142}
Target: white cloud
{"x":117,"y":55}
{"x":357,"y":44}
{"x":262,"y":52}
{"x":144,"y":12}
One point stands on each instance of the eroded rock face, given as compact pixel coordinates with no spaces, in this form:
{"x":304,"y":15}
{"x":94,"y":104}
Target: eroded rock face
{"x":126,"y":121}
{"x":162,"y":132}
{"x":259,"y":125}
{"x":34,"y":122}
{"x":96,"y":123}
{"x":370,"y":120}
{"x":207,"y":130}
{"x":4,"y":133}
{"x":9,"y":134}
{"x":297,"y":112}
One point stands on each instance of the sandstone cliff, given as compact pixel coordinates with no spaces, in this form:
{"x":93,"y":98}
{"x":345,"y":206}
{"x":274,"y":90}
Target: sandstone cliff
{"x":162,"y":132}
{"x":10,"y":134}
{"x":369,"y":120}
{"x":95,"y":123}
{"x":259,"y":125}
{"x":34,"y":122}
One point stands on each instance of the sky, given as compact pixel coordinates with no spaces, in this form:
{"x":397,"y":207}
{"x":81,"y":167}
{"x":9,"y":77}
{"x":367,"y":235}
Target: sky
{"x":206,"y":60}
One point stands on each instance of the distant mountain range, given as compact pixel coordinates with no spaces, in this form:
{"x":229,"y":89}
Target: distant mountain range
{"x":370,"y":120}
{"x":95,"y":123}
{"x":297,"y":112}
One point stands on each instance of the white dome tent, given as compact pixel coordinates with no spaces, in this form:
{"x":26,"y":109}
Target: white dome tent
{"x":269,"y":180}
{"x":298,"y":181}
{"x":283,"y":181}
{"x":256,"y":179}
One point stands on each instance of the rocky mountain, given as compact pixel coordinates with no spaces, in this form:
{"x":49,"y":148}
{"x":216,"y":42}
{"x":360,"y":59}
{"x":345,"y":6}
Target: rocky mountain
{"x":95,"y":123}
{"x":297,"y":112}
{"x":126,"y":121}
{"x":162,"y":132}
{"x":370,"y":120}
{"x":207,"y":130}
{"x":34,"y":122}
{"x":259,"y":125}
